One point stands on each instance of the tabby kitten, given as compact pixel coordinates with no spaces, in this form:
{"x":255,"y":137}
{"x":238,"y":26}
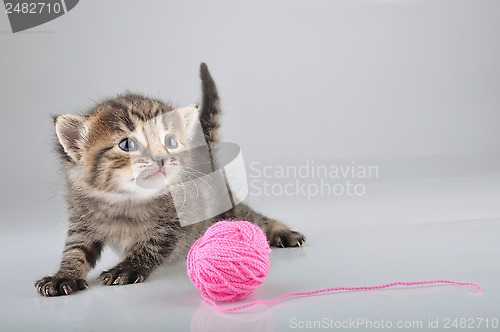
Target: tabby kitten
{"x":106,"y":153}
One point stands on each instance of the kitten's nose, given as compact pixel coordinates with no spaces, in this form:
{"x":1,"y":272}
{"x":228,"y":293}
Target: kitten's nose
{"x":160,"y":160}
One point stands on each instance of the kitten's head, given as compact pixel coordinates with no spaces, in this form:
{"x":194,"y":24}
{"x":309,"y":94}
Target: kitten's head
{"x":130,"y":147}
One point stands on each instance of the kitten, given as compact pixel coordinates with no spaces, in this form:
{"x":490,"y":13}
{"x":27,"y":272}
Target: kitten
{"x":105,"y":153}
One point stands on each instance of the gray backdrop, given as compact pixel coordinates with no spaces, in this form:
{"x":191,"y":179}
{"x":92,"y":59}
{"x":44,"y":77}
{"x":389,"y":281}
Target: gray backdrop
{"x":390,"y":81}
{"x":387,"y":81}
{"x":412,"y":87}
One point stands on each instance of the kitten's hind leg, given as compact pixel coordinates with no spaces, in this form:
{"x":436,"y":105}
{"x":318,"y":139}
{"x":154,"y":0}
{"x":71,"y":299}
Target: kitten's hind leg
{"x":280,"y":235}
{"x":277,"y":233}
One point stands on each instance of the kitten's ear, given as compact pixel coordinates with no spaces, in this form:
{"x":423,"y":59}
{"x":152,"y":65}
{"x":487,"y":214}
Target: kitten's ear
{"x":71,"y":132}
{"x":189,"y":118}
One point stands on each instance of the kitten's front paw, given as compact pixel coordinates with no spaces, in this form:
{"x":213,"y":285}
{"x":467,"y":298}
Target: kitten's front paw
{"x":123,"y":275}
{"x":286,"y":238}
{"x":57,"y":286}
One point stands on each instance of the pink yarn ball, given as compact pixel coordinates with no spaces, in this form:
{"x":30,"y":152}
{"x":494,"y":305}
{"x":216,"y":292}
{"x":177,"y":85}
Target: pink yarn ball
{"x":229,"y":261}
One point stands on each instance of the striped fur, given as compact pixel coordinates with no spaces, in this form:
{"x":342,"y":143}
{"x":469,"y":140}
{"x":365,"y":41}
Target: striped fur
{"x":210,"y":115}
{"x":106,"y":209}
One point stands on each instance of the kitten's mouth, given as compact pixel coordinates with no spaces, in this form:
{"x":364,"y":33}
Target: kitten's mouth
{"x":160,"y":173}
{"x":153,"y":179}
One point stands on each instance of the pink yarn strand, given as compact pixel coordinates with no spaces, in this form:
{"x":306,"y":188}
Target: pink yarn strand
{"x":232,"y":259}
{"x":344,"y":289}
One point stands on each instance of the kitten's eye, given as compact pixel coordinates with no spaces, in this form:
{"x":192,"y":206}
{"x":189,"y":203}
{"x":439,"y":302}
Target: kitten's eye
{"x":171,"y":142}
{"x":128,"y":144}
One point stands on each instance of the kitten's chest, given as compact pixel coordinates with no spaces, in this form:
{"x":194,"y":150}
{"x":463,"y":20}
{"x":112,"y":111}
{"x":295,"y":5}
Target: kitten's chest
{"x":123,"y":235}
{"x":122,"y":229}
{"x":122,"y":226}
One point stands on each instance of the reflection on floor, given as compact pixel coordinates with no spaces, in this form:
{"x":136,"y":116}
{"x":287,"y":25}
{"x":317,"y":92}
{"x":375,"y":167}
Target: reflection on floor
{"x":432,"y":230}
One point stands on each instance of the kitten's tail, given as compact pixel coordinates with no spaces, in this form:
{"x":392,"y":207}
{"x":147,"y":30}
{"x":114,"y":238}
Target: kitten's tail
{"x":210,"y":114}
